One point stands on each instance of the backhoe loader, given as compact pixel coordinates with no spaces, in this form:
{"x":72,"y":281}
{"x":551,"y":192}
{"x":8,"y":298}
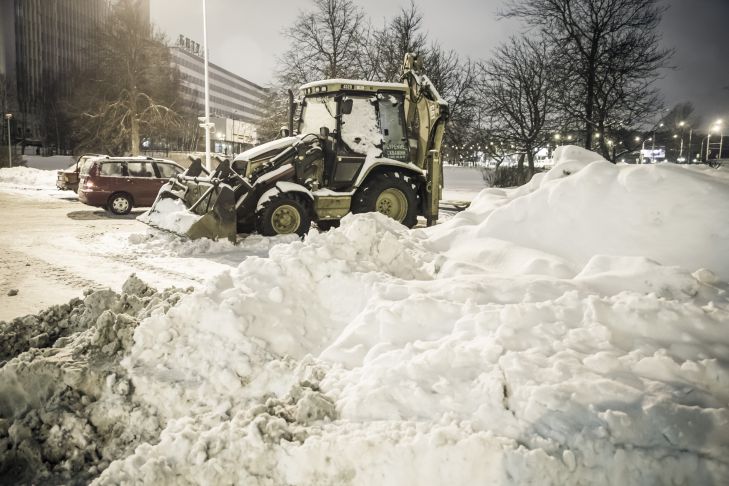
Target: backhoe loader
{"x":351,"y":146}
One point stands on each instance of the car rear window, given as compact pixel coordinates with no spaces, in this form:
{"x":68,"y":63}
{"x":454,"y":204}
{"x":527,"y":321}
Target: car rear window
{"x":140,"y":169}
{"x":167,"y":170}
{"x":85,"y":165}
{"x":113,"y":169}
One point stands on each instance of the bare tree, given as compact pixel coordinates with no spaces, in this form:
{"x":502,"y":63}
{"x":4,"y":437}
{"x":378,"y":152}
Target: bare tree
{"x":609,"y":58}
{"x":275,"y":114}
{"x":325,"y":43}
{"x":517,"y":91}
{"x":130,"y":90}
{"x":382,"y":50}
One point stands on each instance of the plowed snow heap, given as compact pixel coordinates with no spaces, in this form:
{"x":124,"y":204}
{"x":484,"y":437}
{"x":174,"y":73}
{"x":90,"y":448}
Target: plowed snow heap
{"x":571,"y":331}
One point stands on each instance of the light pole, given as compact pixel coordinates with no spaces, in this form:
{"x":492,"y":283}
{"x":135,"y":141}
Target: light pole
{"x":642,"y":149}
{"x":653,"y":144}
{"x":720,"y":127}
{"x":717,"y":127}
{"x":680,"y":150}
{"x":206,"y":124}
{"x":8,"y":117}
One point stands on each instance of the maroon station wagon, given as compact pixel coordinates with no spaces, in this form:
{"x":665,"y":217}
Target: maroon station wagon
{"x":121,"y":183}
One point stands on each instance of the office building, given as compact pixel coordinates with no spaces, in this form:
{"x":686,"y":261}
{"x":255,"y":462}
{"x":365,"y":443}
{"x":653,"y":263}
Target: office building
{"x":41,"y":43}
{"x":236,"y":104}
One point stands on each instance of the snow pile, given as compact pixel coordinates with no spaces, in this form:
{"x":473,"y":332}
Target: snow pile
{"x":65,"y":407}
{"x":471,"y":353}
{"x":27,"y":178}
{"x":586,"y":206}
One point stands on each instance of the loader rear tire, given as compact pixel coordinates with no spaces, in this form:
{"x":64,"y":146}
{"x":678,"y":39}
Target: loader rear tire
{"x":284,"y":214}
{"x":390,"y":194}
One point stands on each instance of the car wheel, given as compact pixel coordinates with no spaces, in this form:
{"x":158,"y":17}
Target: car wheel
{"x":389,"y":194}
{"x":120,"y":203}
{"x":282,"y":215}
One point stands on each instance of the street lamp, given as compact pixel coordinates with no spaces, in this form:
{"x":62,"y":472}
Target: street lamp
{"x":642,"y":148}
{"x":8,"y":117}
{"x":653,"y":143}
{"x":206,"y":124}
{"x":717,"y":127}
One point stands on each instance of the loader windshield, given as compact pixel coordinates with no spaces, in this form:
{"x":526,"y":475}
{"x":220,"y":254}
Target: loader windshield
{"x":317,"y":112}
{"x":392,"y":124}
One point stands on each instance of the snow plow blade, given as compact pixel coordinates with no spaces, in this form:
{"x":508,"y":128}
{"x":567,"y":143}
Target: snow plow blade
{"x":194,"y":209}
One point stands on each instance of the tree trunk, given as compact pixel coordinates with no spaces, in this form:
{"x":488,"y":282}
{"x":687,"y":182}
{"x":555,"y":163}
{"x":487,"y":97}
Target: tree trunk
{"x":530,"y":161}
{"x":590,"y":94}
{"x":135,"y":135}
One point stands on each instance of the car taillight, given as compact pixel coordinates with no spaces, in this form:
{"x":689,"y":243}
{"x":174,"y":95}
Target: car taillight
{"x":88,"y":183}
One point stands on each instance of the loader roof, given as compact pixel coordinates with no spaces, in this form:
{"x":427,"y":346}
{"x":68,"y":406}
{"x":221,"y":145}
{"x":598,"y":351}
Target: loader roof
{"x":334,"y":85}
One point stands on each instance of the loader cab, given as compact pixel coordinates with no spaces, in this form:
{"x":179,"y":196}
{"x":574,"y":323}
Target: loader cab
{"x":364,"y":121}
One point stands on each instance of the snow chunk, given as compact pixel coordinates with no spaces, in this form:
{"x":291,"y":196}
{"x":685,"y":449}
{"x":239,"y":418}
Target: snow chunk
{"x":171,"y":215}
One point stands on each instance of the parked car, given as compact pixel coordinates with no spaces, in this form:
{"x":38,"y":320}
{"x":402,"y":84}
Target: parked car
{"x":67,"y":179}
{"x":121,"y":183}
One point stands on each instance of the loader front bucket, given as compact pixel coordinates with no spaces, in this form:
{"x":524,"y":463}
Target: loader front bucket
{"x":194,"y":209}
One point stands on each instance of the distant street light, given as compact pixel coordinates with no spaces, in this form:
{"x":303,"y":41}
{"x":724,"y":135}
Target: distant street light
{"x":642,"y":148}
{"x":8,"y":117}
{"x":653,"y":144}
{"x":717,"y":127}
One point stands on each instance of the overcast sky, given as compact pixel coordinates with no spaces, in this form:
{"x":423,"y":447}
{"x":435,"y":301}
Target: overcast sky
{"x":246,"y":36}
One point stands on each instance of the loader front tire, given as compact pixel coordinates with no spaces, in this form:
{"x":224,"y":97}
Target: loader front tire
{"x":282,"y":215}
{"x":390,"y":194}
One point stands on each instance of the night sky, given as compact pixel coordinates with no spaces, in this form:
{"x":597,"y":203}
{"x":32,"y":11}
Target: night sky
{"x":245,"y":37}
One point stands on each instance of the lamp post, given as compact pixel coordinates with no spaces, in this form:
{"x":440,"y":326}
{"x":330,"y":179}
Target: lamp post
{"x":206,"y":124}
{"x":653,"y":143}
{"x":8,"y":117}
{"x":720,"y":127}
{"x":680,"y":150}
{"x":717,"y":127}
{"x":642,"y":149}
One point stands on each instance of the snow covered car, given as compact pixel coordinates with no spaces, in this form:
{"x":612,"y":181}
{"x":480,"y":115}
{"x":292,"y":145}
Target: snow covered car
{"x":121,"y":183}
{"x":67,"y":179}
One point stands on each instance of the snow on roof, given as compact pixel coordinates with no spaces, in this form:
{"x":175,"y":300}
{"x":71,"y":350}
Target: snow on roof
{"x":355,"y":84}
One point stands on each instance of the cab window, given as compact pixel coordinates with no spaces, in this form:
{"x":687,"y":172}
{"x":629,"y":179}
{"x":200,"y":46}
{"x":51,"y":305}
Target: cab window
{"x":391,"y":115}
{"x":359,"y":127}
{"x":317,"y":112}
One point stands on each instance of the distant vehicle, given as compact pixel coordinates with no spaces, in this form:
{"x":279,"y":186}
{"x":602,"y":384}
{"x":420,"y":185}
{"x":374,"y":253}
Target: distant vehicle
{"x":121,"y":183}
{"x":67,"y":179}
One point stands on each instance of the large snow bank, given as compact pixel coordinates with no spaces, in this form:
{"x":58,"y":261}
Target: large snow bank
{"x":479,"y":352}
{"x":25,"y":177}
{"x":586,"y":206}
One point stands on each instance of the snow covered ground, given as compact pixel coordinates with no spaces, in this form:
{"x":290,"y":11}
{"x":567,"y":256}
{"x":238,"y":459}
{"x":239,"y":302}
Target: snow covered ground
{"x":571,"y":331}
